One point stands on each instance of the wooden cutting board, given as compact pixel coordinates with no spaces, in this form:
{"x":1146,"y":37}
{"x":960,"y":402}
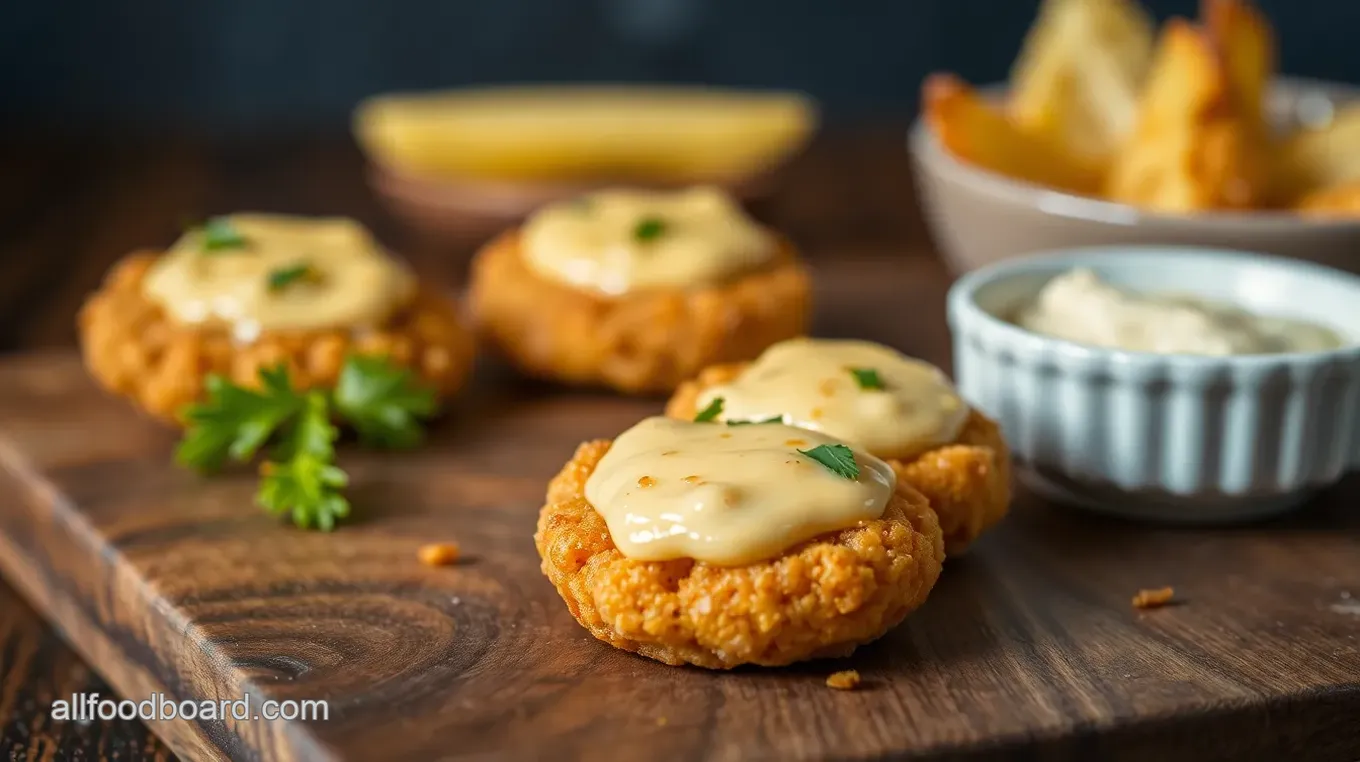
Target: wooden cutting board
{"x":168,"y":583}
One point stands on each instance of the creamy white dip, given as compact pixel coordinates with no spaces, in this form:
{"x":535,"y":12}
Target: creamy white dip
{"x":1078,"y":306}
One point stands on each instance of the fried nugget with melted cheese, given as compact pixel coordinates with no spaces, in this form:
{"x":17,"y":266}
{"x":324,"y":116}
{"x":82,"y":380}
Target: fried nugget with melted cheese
{"x":135,"y":349}
{"x":967,"y":482}
{"x":822,"y":598}
{"x":644,"y":342}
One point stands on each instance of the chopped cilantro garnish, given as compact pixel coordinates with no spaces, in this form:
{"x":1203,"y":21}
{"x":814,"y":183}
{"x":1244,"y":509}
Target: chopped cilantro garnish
{"x":837,"y":458}
{"x":220,"y":235}
{"x":649,"y":228}
{"x":867,"y":378}
{"x":711,"y":412}
{"x":286,"y":276}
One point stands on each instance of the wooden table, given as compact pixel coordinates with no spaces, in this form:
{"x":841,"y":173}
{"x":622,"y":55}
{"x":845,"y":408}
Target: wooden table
{"x":68,"y":208}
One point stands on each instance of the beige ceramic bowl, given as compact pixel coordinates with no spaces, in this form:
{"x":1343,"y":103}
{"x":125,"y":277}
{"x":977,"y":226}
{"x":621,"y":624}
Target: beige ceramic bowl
{"x":979,"y":217}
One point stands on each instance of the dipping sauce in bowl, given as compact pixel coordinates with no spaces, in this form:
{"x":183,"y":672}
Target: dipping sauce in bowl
{"x":1078,"y":306}
{"x":1168,"y":383}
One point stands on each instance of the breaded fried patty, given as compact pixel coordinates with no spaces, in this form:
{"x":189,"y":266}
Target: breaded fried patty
{"x":134,"y":348}
{"x":968,"y":482}
{"x":821,"y":598}
{"x":647,"y":341}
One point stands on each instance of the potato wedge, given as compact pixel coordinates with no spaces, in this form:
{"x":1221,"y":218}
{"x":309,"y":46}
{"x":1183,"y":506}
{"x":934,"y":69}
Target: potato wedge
{"x":1193,"y":149}
{"x":1333,"y":201}
{"x":977,"y":132}
{"x":1244,"y":39}
{"x":1322,"y":157}
{"x":1079,"y":71}
{"x":657,"y":134}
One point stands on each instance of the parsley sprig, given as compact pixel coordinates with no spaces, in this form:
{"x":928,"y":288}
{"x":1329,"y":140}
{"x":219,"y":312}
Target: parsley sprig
{"x":837,"y":458}
{"x":381,"y":401}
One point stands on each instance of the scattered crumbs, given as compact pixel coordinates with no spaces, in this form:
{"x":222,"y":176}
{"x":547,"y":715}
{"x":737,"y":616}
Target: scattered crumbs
{"x":438,"y":553}
{"x":455,"y":600}
{"x":1151,"y":599}
{"x":646,"y":481}
{"x":661,"y":722}
{"x":847,"y":680}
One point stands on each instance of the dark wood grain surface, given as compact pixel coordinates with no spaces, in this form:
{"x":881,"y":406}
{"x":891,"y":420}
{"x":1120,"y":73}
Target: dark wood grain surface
{"x":1028,"y":648}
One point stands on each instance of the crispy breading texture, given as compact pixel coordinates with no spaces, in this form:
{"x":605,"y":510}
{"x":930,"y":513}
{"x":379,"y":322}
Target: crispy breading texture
{"x":822,"y":598}
{"x":135,"y":349}
{"x":968,"y":482}
{"x":637,"y":343}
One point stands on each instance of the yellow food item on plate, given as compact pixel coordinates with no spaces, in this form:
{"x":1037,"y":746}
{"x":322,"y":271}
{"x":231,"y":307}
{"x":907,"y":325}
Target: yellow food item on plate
{"x":646,"y":134}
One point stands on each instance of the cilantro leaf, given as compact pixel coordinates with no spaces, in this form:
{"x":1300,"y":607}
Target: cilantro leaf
{"x":233,"y":422}
{"x":711,"y":412}
{"x":220,"y":235}
{"x":867,"y":378}
{"x":838,"y":459}
{"x":771,"y":419}
{"x":286,"y":276}
{"x":383,"y":401}
{"x":649,"y":228}
{"x":301,"y":477}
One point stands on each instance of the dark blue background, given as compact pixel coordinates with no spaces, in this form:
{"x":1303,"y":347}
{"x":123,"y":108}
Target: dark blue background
{"x":254,"y":63}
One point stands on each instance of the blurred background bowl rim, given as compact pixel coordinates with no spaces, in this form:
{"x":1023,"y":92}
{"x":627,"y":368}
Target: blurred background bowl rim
{"x":962,"y":304}
{"x":937,"y":160}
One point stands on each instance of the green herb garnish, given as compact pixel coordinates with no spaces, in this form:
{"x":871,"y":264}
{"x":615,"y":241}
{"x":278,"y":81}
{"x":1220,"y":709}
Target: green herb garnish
{"x":649,"y":228}
{"x":286,"y":276}
{"x":758,"y":421}
{"x":838,"y":459}
{"x":301,"y":478}
{"x":219,"y":235}
{"x":711,"y":412}
{"x":381,"y":401}
{"x":867,"y":378}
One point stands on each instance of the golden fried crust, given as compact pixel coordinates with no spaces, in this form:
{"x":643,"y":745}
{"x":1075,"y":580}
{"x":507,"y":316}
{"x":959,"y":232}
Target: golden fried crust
{"x":134,"y":349}
{"x":968,"y":482}
{"x":819,"y":599}
{"x":637,"y":343}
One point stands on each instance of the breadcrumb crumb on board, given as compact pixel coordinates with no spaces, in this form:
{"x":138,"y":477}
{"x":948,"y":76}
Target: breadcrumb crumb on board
{"x":847,"y":680}
{"x":1154,"y":598}
{"x":438,"y":553}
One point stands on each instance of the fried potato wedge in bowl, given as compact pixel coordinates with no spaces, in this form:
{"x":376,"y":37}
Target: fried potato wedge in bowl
{"x":1193,"y":140}
{"x":969,"y":126}
{"x":1079,"y":71}
{"x":1195,"y":147}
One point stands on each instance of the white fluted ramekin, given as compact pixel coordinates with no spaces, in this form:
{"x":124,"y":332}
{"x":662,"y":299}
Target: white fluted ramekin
{"x":1167,"y":437}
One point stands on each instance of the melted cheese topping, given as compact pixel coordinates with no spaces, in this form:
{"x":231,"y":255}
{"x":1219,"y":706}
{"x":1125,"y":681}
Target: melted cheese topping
{"x":618,"y":241}
{"x":351,"y":282}
{"x":810,"y":383}
{"x":727,"y":495}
